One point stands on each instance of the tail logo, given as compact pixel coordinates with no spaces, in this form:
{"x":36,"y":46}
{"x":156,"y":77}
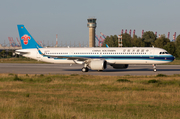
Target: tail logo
{"x":25,"y":39}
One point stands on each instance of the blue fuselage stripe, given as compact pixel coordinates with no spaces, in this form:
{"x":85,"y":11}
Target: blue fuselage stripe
{"x":123,"y":57}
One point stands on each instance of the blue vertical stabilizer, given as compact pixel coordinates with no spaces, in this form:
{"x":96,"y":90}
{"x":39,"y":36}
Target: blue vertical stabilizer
{"x":27,"y":41}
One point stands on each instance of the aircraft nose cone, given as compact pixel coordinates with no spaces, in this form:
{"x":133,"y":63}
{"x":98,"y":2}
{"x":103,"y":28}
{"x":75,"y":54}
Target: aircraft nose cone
{"x":172,"y":57}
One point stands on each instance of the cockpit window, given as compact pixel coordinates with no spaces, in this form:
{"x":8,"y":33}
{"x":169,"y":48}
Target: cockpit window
{"x":163,"y":53}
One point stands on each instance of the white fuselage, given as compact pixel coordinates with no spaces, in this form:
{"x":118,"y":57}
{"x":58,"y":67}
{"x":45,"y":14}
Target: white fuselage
{"x":125,"y":55}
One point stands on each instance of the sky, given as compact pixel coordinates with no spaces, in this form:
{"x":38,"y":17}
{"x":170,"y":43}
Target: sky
{"x":68,"y":18}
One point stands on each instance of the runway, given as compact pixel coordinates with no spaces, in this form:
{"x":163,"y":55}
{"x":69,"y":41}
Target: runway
{"x":76,"y":69}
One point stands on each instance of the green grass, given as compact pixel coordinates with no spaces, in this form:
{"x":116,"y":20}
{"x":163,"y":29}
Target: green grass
{"x":161,"y":75}
{"x":123,"y":80}
{"x":89,"y":97}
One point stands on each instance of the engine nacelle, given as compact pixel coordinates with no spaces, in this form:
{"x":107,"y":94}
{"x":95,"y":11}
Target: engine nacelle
{"x":98,"y":64}
{"x":119,"y":66}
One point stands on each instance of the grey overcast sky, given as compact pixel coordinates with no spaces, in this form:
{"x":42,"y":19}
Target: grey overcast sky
{"x":68,"y":18}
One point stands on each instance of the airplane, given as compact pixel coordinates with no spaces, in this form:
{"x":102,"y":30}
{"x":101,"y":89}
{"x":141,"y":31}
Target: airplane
{"x":93,"y":58}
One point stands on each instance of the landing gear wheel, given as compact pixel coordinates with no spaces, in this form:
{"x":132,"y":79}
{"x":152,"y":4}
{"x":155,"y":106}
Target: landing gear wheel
{"x":154,"y":67}
{"x":85,"y":69}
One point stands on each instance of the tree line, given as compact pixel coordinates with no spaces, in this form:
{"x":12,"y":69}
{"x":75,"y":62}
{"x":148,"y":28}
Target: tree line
{"x":149,"y":39}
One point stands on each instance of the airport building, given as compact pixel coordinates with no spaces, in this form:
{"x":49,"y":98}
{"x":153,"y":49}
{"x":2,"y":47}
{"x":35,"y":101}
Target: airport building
{"x":92,"y":26}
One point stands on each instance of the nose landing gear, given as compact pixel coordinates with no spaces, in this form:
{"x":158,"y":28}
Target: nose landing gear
{"x":154,"y":67}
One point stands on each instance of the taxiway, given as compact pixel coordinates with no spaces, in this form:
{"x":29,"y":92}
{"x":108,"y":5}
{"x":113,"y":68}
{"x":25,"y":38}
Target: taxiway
{"x":76,"y":69}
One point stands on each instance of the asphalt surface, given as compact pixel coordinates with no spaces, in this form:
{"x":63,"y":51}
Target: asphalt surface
{"x":76,"y":69}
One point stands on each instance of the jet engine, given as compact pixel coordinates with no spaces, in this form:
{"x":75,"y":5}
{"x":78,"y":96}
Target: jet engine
{"x":98,"y":64}
{"x":119,"y":66}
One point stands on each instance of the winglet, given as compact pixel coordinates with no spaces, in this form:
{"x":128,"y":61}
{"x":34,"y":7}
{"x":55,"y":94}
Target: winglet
{"x":107,"y":45}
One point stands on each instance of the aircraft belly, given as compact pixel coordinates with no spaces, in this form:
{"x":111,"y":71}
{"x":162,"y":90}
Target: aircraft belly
{"x":136,"y":62}
{"x":52,"y":60}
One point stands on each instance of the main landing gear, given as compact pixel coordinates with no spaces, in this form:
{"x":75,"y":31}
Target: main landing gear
{"x":154,"y":67}
{"x":85,"y":68}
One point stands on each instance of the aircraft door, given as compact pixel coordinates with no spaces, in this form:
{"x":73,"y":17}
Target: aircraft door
{"x":71,"y":53}
{"x":151,"y":56}
{"x":38,"y":56}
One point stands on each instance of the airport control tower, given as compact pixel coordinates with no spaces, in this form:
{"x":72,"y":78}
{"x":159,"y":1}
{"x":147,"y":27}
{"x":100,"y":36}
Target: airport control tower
{"x":92,"y":25}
